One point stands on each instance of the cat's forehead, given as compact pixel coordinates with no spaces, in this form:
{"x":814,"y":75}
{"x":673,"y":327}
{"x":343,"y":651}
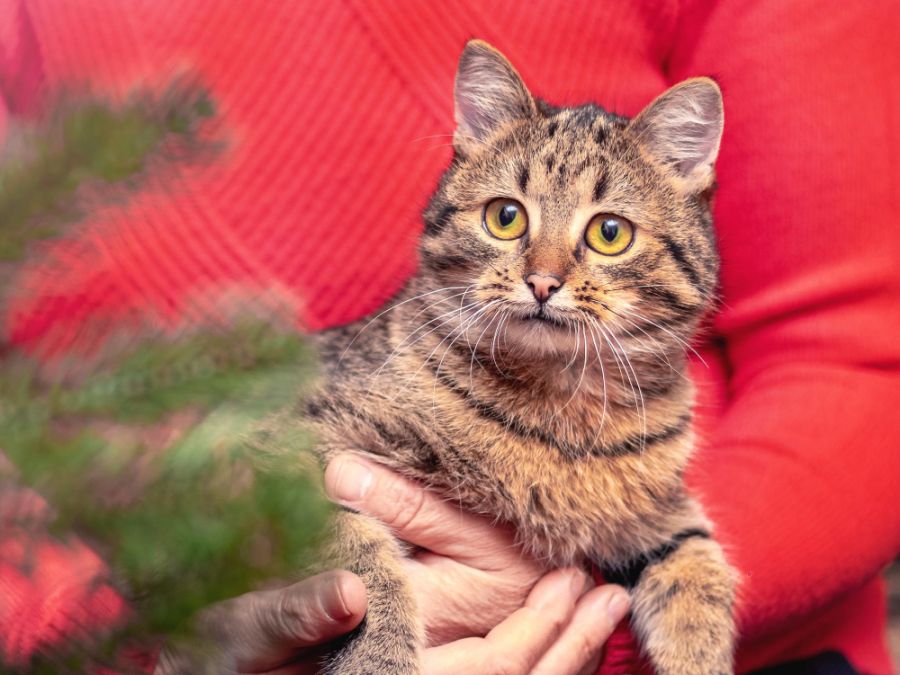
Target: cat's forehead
{"x":581,"y":134}
{"x":562,"y":159}
{"x":579,"y":122}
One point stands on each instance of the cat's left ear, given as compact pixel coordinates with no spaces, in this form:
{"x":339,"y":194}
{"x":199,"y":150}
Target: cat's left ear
{"x":682,"y":130}
{"x":489,"y":94}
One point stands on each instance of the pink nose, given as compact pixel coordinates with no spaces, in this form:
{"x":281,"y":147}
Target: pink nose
{"x":543,"y":286}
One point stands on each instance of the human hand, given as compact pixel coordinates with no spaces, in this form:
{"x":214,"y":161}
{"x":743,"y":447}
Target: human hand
{"x":470,"y":575}
{"x":274,"y":632}
{"x":560,"y":630}
{"x":475,"y":579}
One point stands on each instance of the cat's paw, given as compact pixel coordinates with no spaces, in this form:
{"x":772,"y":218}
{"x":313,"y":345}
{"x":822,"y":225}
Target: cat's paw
{"x":372,"y":659}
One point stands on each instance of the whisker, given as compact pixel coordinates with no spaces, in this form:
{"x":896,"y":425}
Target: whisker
{"x":505,"y":316}
{"x":478,"y":312}
{"x":472,"y":360}
{"x":432,"y":305}
{"x":602,"y":376}
{"x":635,"y":384}
{"x":707,"y":295}
{"x":437,"y":372}
{"x":425,"y":138}
{"x":403,"y":343}
{"x":583,"y":370}
{"x":677,"y":338}
{"x":659,"y":353}
{"x":575,"y":351}
{"x":393,"y":307}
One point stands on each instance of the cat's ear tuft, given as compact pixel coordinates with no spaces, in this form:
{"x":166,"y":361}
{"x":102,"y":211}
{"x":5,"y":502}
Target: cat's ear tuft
{"x":488,"y":94}
{"x":682,"y":130}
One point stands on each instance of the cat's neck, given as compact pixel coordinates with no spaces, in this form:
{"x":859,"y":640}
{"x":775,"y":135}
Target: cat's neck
{"x":584,"y":377}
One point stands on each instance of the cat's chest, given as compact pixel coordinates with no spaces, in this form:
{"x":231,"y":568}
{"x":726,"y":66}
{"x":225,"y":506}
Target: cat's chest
{"x":572,"y":477}
{"x":563,"y":507}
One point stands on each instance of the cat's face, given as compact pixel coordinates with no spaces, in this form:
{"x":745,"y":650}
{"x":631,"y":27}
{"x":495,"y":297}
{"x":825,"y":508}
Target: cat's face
{"x":574,"y":225}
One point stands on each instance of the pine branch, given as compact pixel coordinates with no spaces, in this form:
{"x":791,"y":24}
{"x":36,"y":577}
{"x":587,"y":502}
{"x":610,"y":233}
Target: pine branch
{"x":145,"y":455}
{"x":90,"y":142}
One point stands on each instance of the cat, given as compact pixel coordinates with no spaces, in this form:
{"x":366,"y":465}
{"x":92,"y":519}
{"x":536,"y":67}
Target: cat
{"x":534,"y":368}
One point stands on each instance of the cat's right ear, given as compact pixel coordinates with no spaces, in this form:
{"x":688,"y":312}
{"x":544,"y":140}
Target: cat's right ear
{"x":488,"y":93}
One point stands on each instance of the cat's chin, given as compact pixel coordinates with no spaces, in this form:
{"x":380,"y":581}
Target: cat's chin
{"x":541,"y":334}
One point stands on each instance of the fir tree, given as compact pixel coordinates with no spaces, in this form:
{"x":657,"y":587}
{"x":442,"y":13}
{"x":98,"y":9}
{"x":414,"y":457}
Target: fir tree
{"x":142,"y":454}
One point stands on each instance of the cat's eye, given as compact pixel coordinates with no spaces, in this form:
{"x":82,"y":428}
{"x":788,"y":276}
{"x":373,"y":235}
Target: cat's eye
{"x":609,"y":234}
{"x":505,"y":219}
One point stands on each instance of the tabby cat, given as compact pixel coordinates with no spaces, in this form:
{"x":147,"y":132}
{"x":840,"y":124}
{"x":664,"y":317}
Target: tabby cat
{"x":534,"y":368}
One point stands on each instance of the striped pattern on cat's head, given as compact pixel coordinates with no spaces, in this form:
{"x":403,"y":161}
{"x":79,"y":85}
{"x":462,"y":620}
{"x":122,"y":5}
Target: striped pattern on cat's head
{"x":603,"y":222}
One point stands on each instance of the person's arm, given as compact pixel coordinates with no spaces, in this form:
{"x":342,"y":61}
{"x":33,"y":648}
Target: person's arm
{"x":801,"y":473}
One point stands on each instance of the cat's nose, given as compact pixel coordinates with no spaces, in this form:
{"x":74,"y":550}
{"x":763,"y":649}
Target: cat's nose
{"x":543,"y":285}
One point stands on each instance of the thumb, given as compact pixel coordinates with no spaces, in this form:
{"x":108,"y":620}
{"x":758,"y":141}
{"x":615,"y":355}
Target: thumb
{"x":311,"y":612}
{"x":262,"y":630}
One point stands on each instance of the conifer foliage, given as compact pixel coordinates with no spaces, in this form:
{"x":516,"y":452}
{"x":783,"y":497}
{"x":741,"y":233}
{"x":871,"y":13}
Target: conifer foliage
{"x":141,"y":450}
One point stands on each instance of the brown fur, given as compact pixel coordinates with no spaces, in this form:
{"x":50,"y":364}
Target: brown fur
{"x":573,"y":426}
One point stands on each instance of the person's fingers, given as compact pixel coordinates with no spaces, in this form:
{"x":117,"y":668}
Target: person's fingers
{"x":462,"y":601}
{"x":418,"y":516}
{"x":519,"y":642}
{"x":266,"y":629}
{"x":596,"y":615}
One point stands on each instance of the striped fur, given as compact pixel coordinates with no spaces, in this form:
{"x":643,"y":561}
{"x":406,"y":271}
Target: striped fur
{"x":574,"y":426}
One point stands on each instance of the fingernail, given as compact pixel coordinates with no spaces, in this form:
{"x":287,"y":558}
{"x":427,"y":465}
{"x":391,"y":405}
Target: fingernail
{"x":336,"y":604}
{"x":577,"y":583}
{"x":617,"y":607}
{"x":350,"y":480}
{"x":554,"y":593}
{"x":335,"y":607}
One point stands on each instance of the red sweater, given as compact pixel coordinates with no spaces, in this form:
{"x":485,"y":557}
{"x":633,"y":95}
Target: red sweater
{"x":338,"y":114}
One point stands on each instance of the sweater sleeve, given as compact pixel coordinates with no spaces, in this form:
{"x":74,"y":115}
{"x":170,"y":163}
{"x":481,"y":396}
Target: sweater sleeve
{"x":801,"y":471}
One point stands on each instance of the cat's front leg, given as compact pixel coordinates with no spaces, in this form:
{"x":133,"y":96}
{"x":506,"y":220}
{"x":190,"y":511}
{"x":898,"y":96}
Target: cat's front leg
{"x":682,"y":606}
{"x":389,"y":639}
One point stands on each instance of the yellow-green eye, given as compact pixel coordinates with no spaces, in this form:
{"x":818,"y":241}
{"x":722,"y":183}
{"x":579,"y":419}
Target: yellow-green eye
{"x":609,"y":234}
{"x":505,"y":219}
